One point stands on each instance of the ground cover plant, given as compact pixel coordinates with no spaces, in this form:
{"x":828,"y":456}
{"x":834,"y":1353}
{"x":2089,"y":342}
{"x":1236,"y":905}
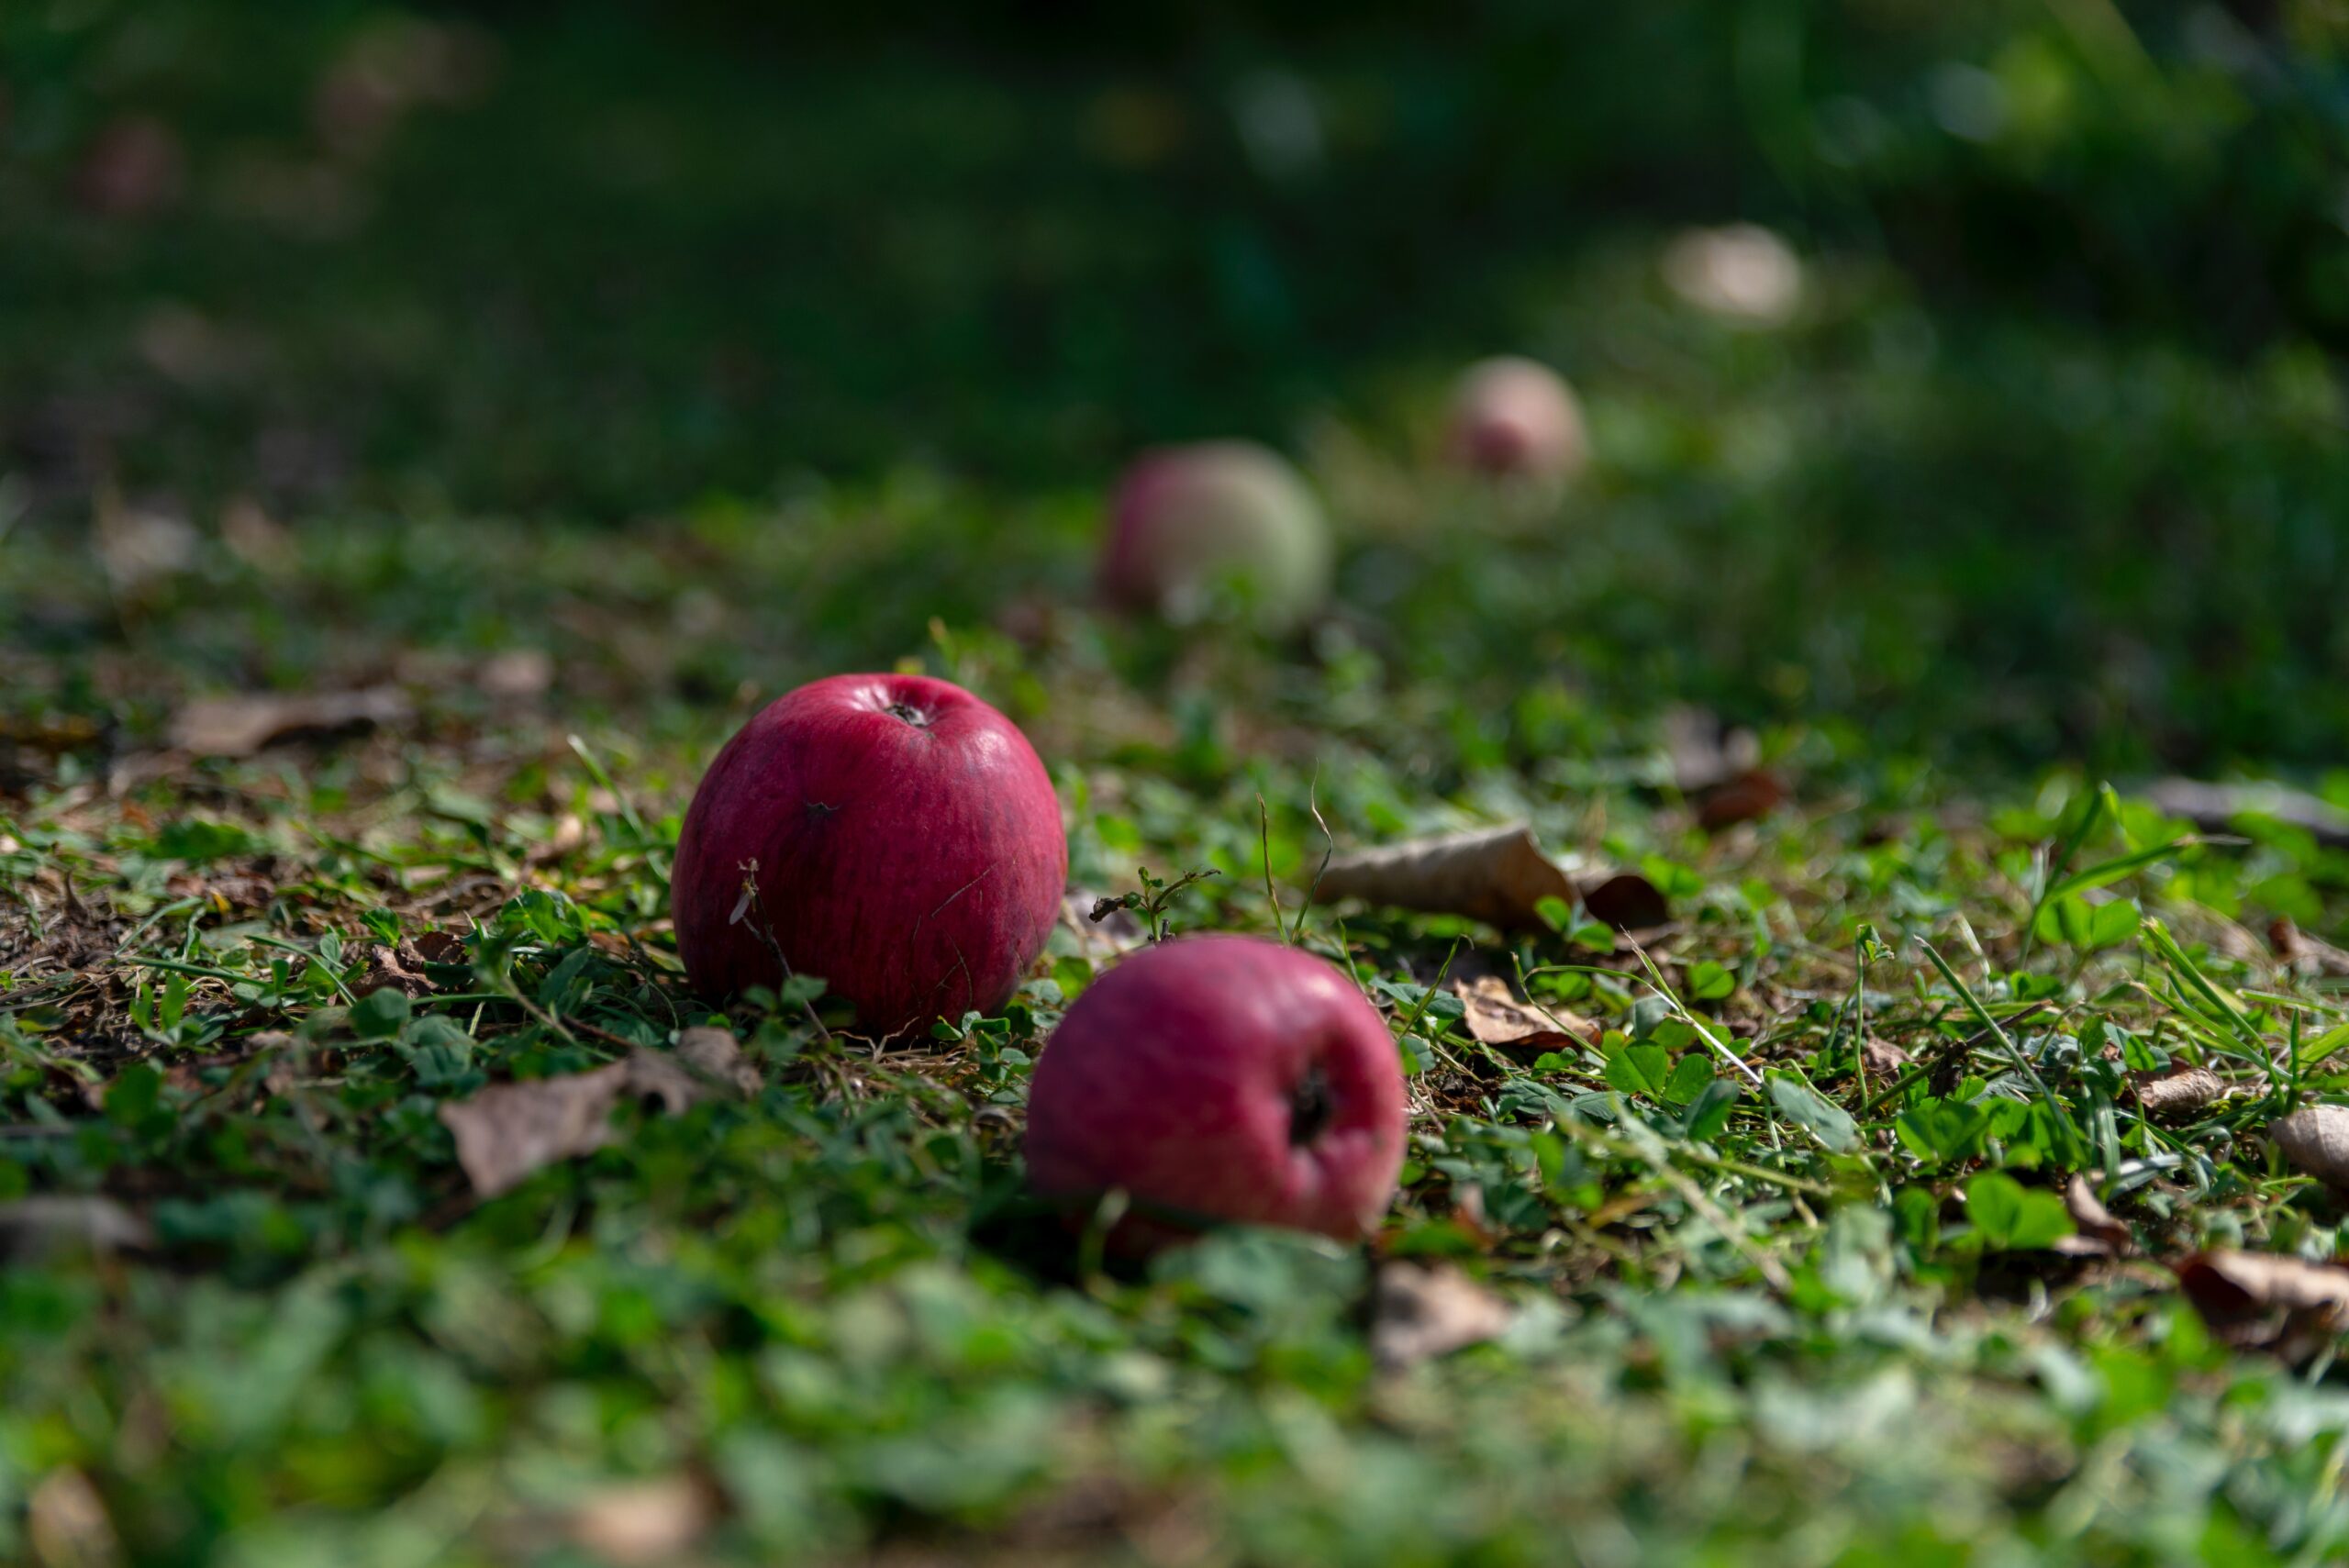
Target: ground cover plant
{"x":1879,"y":1117}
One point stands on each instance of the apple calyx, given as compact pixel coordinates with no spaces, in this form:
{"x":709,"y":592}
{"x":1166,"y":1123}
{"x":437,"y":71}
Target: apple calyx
{"x":1310,"y":1109}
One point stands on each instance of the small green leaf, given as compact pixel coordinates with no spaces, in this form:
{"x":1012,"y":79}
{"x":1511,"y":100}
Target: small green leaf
{"x":1640,"y":1070}
{"x":1710,"y":982}
{"x":380,"y":1013}
{"x":2013,"y":1218}
{"x":133,"y":1094}
{"x":1707,"y":1115}
{"x":1690,"y":1076}
{"x":1827,"y":1121}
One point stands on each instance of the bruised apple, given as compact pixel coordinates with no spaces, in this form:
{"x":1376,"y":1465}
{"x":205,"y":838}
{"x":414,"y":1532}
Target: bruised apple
{"x":1513,"y":419}
{"x":1216,"y":525}
{"x":1220,"y":1079}
{"x":892,"y":834}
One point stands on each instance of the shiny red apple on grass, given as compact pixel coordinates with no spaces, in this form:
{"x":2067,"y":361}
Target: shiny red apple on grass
{"x":1220,"y":1079}
{"x":907,"y":848}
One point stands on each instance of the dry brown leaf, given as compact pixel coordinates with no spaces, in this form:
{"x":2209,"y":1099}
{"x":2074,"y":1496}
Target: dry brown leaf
{"x":1418,"y":1313}
{"x":517,"y":674}
{"x":716,"y":1056}
{"x":642,"y":1522}
{"x":239,"y":726}
{"x":1498,"y":876}
{"x":2315,"y":1138}
{"x":1705,"y":752}
{"x":2287,"y":1305}
{"x":35,"y":1229}
{"x":1882,"y":1059}
{"x":393,"y":968}
{"x":2169,"y":1096}
{"x":509,"y":1130}
{"x":1496,"y":1017}
{"x":1719,"y":768}
{"x":438,"y":947}
{"x":1627,"y":901}
{"x":1115,"y":931}
{"x":2306,"y":954}
{"x":66,"y":1523}
{"x":2100,"y":1235}
{"x":2213,"y":807}
{"x":1748,"y":797}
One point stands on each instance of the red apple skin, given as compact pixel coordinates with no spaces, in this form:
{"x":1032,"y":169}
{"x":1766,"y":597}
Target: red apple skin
{"x":1513,"y":419}
{"x":1176,"y":1076}
{"x":909,"y":844}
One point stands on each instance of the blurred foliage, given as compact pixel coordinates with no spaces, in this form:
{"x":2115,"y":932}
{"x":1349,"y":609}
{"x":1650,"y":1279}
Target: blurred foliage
{"x":2050,"y":462}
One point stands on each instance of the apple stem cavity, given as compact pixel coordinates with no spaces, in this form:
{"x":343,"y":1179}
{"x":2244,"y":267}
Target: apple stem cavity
{"x":909,"y":713}
{"x":1309,"y":1107}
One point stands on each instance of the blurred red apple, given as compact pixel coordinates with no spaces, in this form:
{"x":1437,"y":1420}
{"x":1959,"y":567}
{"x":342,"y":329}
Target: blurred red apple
{"x":135,"y":168}
{"x":1515,"y":419}
{"x":1220,"y":1078}
{"x":1222,"y":524}
{"x":907,"y":844}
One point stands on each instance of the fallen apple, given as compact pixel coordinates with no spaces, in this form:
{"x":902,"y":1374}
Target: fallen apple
{"x":892,"y":834}
{"x":1513,"y":419}
{"x":1220,"y":1079}
{"x":1220,"y":526}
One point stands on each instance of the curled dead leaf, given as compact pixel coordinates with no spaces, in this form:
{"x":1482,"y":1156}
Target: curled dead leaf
{"x":34,"y":1230}
{"x":1748,"y":797}
{"x":239,"y":726}
{"x":642,"y":1522}
{"x":2287,"y":1305}
{"x":2099,"y":1234}
{"x":1628,"y":902}
{"x":1882,"y":1059}
{"x":438,"y":947}
{"x":1419,"y":1313}
{"x":1112,"y":931}
{"x":1704,"y":753}
{"x":1498,"y":876}
{"x":2315,"y":1140}
{"x":66,"y":1523}
{"x":508,"y":1131}
{"x":1719,"y":768}
{"x":2305,"y":953}
{"x":397,"y":968}
{"x":2170,"y":1097}
{"x":1496,"y":1017}
{"x":717,"y":1057}
{"x":517,"y":674}
{"x":2213,"y":807}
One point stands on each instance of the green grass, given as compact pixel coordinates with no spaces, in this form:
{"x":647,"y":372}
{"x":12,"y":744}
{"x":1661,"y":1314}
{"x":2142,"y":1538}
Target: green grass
{"x":626,"y":364}
{"x":1769,"y":1326}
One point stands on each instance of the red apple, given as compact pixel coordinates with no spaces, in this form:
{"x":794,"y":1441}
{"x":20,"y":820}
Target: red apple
{"x":1220,"y":1078}
{"x":907,"y":849}
{"x":1195,"y":527}
{"x":1515,"y":419}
